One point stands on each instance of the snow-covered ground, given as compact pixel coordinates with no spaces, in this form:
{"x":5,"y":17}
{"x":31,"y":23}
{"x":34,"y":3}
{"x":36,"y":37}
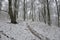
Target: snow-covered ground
{"x":51,"y":32}
{"x":21,"y":32}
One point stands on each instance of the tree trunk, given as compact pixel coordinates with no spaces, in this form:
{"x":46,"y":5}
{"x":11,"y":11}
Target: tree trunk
{"x":49,"y":21}
{"x":44,"y":14}
{"x":11,"y":14}
{"x":24,"y":11}
{"x":32,"y":9}
{"x":0,"y":5}
{"x":39,"y":15}
{"x":15,"y":10}
{"x":57,"y":11}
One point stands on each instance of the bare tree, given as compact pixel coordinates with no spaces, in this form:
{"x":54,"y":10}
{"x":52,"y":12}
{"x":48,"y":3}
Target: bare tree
{"x":0,"y":4}
{"x":48,"y":13}
{"x":10,"y":11}
{"x":11,"y":14}
{"x":32,"y":8}
{"x":57,"y":11}
{"x":44,"y":13}
{"x":16,"y":9}
{"x":24,"y":10}
{"x":39,"y":14}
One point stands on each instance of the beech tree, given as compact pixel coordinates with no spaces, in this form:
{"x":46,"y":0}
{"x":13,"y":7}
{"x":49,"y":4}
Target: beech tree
{"x":44,"y":10}
{"x":48,"y":13}
{"x":24,"y":8}
{"x":32,"y":8}
{"x":57,"y":11}
{"x":12,"y":14}
{"x":0,"y":4}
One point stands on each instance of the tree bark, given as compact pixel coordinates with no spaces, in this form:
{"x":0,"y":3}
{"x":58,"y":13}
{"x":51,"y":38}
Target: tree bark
{"x":44,"y":14}
{"x":32,"y":1}
{"x":24,"y":11}
{"x":57,"y":11}
{"x":48,"y":12}
{"x":11,"y":14}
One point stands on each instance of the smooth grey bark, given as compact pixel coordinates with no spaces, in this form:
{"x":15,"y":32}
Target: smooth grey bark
{"x":18,"y":7}
{"x":0,"y":5}
{"x":44,"y":14}
{"x":57,"y":11}
{"x":15,"y":10}
{"x":24,"y":16}
{"x":39,"y":15}
{"x":32,"y":8}
{"x":10,"y":10}
{"x":48,"y":13}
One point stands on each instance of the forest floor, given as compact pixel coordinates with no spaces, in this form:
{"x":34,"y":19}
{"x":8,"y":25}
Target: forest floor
{"x":20,"y":31}
{"x":27,"y":30}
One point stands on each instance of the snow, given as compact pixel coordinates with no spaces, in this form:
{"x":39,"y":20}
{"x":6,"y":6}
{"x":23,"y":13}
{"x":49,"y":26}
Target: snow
{"x":21,"y":32}
{"x":18,"y":31}
{"x":51,"y":32}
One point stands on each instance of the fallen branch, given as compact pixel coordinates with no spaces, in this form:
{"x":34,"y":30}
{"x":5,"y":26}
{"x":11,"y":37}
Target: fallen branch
{"x":40,"y":36}
{"x":6,"y":35}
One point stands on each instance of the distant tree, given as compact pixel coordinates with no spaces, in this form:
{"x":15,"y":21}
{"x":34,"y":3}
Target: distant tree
{"x":24,"y":8}
{"x":32,"y":8}
{"x":48,"y":13}
{"x":39,"y":14}
{"x":57,"y":11}
{"x":0,"y":4}
{"x":44,"y":13}
{"x":46,"y":2}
